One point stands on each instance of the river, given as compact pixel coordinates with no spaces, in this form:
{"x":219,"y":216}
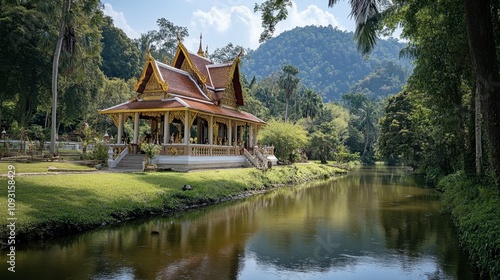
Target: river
{"x":375,"y":223}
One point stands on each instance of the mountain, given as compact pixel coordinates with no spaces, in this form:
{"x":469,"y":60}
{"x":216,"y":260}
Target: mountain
{"x":330,"y":63}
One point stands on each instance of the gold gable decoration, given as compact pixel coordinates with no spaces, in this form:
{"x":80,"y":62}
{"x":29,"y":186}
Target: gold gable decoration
{"x":229,"y":96}
{"x":153,"y":85}
{"x":192,"y":69}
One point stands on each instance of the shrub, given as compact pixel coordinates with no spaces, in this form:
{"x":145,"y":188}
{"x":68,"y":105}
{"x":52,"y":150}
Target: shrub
{"x":474,"y":207}
{"x":151,"y":150}
{"x":100,"y":152}
{"x":286,"y":138}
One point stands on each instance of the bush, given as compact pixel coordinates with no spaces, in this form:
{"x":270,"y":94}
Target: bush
{"x":286,"y":138}
{"x":100,"y":152}
{"x":151,"y":150}
{"x":474,"y":207}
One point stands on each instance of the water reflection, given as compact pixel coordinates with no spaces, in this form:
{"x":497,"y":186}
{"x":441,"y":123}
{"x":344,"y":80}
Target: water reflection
{"x":376,"y":223}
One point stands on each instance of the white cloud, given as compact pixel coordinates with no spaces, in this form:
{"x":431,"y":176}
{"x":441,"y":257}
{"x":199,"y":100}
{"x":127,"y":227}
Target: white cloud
{"x":310,"y":16}
{"x":220,"y":18}
{"x":224,"y":19}
{"x":120,"y":21}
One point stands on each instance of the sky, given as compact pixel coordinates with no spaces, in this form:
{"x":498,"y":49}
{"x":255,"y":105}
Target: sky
{"x":221,"y":21}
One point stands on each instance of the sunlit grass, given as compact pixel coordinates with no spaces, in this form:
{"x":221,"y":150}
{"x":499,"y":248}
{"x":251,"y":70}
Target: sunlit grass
{"x":57,"y":204}
{"x":40,"y":167}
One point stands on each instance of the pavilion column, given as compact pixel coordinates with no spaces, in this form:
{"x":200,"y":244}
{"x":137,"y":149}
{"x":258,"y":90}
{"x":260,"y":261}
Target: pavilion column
{"x":211,"y":130}
{"x":256,"y":138}
{"x":186,"y":127}
{"x":166,"y":128}
{"x":136,"y":132}
{"x":136,"y":128}
{"x":250,"y":135}
{"x":199,"y":134}
{"x":235,"y":129}
{"x":241,"y":134}
{"x":230,"y":133}
{"x":120,"y":128}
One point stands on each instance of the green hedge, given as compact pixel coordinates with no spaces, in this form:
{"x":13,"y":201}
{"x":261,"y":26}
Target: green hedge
{"x":475,"y":208}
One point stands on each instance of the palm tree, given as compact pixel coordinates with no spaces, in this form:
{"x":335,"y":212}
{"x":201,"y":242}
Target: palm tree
{"x":368,"y":122}
{"x":288,"y":82}
{"x":312,"y":104}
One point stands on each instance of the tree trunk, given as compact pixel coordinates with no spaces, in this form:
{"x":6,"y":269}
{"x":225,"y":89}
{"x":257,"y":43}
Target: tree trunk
{"x":477,"y":128}
{"x":55,"y":67}
{"x":286,"y":109}
{"x":482,"y":51}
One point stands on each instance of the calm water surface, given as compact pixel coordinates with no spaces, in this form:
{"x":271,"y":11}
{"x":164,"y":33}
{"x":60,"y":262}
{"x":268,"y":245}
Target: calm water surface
{"x":376,"y":223}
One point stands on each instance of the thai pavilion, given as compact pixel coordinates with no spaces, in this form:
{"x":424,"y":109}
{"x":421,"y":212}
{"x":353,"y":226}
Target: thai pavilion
{"x":193,"y":107}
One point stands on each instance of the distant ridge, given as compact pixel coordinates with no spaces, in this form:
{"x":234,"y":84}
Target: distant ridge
{"x":329,"y":62}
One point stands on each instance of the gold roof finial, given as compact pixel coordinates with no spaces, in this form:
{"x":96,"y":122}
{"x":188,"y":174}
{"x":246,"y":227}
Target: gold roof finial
{"x":206,"y":51}
{"x":179,"y":37}
{"x":200,"y":50}
{"x":148,"y":52}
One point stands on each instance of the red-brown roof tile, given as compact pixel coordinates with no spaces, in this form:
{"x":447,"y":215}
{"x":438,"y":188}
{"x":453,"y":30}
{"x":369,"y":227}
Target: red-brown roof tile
{"x":219,"y":74}
{"x":201,"y":64}
{"x":217,"y":110}
{"x":136,"y":105}
{"x":178,"y":102}
{"x":179,"y":82}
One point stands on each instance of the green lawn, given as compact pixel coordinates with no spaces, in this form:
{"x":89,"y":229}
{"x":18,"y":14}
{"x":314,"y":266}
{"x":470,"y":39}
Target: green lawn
{"x":37,"y":167}
{"x":61,"y":204}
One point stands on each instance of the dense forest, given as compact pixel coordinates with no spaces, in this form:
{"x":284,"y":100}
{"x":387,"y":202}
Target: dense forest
{"x":329,"y":62}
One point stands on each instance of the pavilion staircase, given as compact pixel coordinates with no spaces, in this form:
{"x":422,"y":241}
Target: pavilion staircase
{"x":131,"y":162}
{"x":258,"y":160}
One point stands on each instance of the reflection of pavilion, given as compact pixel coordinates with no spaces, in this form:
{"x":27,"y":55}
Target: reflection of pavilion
{"x":193,"y":109}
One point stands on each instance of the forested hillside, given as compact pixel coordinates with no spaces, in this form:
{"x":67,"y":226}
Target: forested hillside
{"x":330,"y":63}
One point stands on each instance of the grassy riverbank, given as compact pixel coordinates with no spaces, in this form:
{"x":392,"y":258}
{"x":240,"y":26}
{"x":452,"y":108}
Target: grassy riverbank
{"x":54,"y":205}
{"x":475,"y":209}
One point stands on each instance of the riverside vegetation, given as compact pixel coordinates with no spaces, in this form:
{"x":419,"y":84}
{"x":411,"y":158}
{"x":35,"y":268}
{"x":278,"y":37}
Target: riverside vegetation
{"x":49,"y":206}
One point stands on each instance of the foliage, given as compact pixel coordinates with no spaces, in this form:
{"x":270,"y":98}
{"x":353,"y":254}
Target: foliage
{"x":343,"y":156}
{"x":328,"y":62}
{"x":401,"y":136}
{"x":474,"y":207}
{"x":328,"y":133}
{"x":286,"y":138}
{"x":227,"y":53}
{"x":120,"y":57}
{"x":288,"y":82}
{"x":151,"y":150}
{"x":363,"y":128}
{"x":162,"y":43}
{"x":100,"y":151}
{"x":24,"y":59}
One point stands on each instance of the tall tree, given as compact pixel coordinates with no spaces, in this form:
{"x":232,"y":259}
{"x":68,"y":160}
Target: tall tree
{"x":64,"y":31}
{"x":24,"y":60}
{"x":227,"y":53}
{"x":288,"y":82}
{"x":163,"y":42}
{"x":120,"y":57}
{"x":482,"y":49}
{"x":312,"y":104}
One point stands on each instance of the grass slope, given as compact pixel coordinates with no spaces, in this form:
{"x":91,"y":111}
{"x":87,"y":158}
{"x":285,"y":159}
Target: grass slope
{"x":48,"y":206}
